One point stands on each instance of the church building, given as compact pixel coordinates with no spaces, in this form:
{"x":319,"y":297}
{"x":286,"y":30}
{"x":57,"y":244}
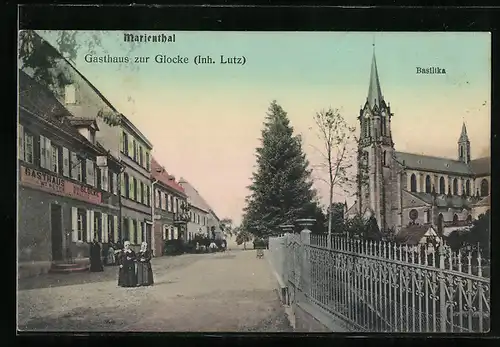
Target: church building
{"x":401,"y":189}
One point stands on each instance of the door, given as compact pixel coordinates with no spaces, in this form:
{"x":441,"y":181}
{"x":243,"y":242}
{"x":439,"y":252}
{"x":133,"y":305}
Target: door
{"x":148,"y":236}
{"x":56,"y":232}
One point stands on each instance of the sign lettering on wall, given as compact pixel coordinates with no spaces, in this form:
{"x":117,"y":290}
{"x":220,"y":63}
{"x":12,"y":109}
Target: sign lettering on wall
{"x":55,"y":185}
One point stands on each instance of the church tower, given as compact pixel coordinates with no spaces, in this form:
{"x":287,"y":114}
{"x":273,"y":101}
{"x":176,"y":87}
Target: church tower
{"x":376,"y":174}
{"x":464,"y":146}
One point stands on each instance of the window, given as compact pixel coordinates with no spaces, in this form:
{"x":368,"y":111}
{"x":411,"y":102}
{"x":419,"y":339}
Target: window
{"x":148,"y":189}
{"x":126,"y":185}
{"x":442,"y":189}
{"x":133,"y":190}
{"x":97,"y":226}
{"x":169,"y":202}
{"x":440,"y":223}
{"x":157,"y":198}
{"x":384,"y":162}
{"x":80,"y":172}
{"x":28,"y":148}
{"x":484,"y":187}
{"x":111,"y":228}
{"x":455,"y":186}
{"x":134,"y":155}
{"x":81,"y":227}
{"x":427,"y":216}
{"x":148,"y":161}
{"x":124,"y":143}
{"x":70,"y":94}
{"x":469,"y":219}
{"x":98,"y":177}
{"x":134,"y":228}
{"x":141,"y":156}
{"x":141,"y":193}
{"x":455,"y":219}
{"x":467,"y":188}
{"x":126,"y":230}
{"x":413,"y":183}
{"x":428,"y":187}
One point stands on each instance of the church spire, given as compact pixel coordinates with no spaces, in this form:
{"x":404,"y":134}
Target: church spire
{"x":374,"y":91}
{"x":463,"y":134}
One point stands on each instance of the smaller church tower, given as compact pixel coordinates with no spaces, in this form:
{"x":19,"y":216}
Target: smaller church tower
{"x":464,"y":146}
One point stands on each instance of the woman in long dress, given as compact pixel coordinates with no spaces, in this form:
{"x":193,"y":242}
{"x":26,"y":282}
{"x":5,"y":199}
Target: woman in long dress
{"x":144,"y":269}
{"x":126,"y":259}
{"x":111,"y":255}
{"x":95,"y":257}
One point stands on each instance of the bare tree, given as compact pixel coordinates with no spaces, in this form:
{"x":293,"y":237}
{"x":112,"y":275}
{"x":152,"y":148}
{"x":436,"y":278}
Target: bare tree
{"x":338,"y":154}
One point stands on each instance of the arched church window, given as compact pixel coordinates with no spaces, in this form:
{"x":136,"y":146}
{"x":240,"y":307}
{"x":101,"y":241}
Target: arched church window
{"x":413,"y":183}
{"x":440,"y":223}
{"x":455,"y":186}
{"x":461,"y":152}
{"x":428,"y":187}
{"x":442,"y":189}
{"x":467,"y":187}
{"x":455,"y":219}
{"x":384,"y":156}
{"x":484,"y":187}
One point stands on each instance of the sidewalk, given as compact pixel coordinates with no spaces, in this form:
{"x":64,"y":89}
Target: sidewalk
{"x":232,"y":291}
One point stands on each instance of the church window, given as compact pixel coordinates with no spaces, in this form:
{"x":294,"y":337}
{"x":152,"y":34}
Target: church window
{"x":461,"y":152}
{"x":428,"y":187}
{"x":469,"y":219}
{"x":427,"y":216}
{"x":440,"y":223}
{"x":455,"y":186}
{"x":467,"y":188}
{"x":384,"y":162}
{"x":484,"y":187}
{"x":413,"y":183}
{"x":455,"y":219}
{"x":442,"y":189}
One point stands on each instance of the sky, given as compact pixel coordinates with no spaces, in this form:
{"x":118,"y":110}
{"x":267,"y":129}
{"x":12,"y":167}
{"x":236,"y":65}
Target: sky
{"x":205,"y":121}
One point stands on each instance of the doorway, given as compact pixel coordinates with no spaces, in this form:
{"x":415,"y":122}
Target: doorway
{"x":56,"y":232}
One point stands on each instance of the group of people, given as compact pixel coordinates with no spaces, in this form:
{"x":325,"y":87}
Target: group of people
{"x":134,"y":268}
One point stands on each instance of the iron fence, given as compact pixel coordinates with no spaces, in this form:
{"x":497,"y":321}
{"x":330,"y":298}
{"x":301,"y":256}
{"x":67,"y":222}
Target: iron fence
{"x":378,"y":286}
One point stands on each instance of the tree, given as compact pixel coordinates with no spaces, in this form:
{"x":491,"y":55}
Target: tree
{"x":338,"y":154}
{"x":41,"y":58}
{"x":243,"y":237}
{"x":337,"y":222}
{"x":227,"y":226}
{"x":281,"y":189}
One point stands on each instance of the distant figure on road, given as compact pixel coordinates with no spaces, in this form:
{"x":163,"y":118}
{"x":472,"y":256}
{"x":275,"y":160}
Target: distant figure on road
{"x":126,"y":275}
{"x":144,"y":269}
{"x":95,"y":257}
{"x":212,"y":246}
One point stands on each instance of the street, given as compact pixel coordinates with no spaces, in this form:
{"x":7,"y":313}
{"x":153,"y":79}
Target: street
{"x":232,"y":291}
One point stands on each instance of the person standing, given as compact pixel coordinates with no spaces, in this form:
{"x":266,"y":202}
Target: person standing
{"x":126,"y":274}
{"x":95,"y":257}
{"x":144,"y":269}
{"x":111,"y":255}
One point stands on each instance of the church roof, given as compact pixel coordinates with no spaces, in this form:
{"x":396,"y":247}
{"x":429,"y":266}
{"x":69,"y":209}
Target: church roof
{"x":411,"y":235}
{"x":434,"y":164}
{"x":443,"y":200}
{"x":481,"y":166}
{"x":375,"y":96}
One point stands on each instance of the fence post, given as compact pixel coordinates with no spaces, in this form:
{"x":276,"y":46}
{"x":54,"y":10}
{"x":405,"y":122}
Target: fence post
{"x":305,"y":240}
{"x":442,"y":288}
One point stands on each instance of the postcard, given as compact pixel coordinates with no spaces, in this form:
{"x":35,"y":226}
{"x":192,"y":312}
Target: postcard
{"x":178,"y":180}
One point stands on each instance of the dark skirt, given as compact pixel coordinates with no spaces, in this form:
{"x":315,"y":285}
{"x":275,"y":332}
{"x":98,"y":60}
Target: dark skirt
{"x":144,"y":274}
{"x":96,"y":265}
{"x":127,"y":276}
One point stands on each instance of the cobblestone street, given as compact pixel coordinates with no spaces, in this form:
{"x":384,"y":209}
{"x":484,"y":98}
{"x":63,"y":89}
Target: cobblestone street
{"x":232,"y":291}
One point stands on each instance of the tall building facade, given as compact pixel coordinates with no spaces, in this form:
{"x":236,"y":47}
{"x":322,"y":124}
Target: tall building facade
{"x":401,"y":189}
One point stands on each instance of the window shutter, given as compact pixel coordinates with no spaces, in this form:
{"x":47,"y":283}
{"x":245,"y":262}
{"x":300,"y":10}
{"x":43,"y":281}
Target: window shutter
{"x":65,"y":162}
{"x":115,"y":227}
{"x":21,"y":142}
{"x":122,"y":184}
{"x":42,"y":151}
{"x":131,"y":187}
{"x":90,"y":226}
{"x":115,"y":183}
{"x":131,"y":231}
{"x":90,"y":171}
{"x":104,"y":221}
{"x":48,"y":156}
{"x":174,"y":202}
{"x":74,"y":224}
{"x":130,"y":147}
{"x":164,"y":201}
{"x":139,"y":232}
{"x":104,"y":178}
{"x":122,"y":142}
{"x":91,"y":230}
{"x":74,"y":166}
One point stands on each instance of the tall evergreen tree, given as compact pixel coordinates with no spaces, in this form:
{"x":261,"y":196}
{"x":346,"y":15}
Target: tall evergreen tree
{"x":281,"y":190}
